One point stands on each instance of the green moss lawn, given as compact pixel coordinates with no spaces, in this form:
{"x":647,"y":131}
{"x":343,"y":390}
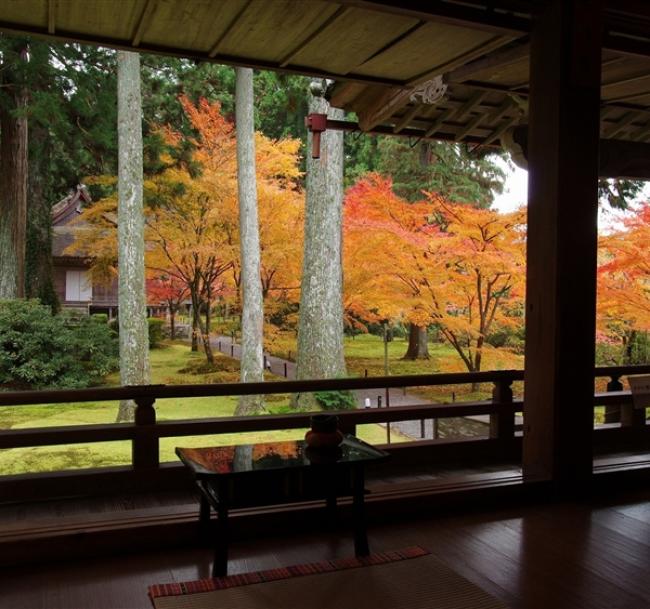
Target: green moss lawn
{"x":365,"y":352}
{"x":172,"y":364}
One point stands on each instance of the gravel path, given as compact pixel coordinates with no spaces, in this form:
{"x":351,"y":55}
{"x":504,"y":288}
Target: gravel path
{"x":397,"y":397}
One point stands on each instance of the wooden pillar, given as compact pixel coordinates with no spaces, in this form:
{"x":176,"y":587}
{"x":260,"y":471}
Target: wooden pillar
{"x":562,"y":241}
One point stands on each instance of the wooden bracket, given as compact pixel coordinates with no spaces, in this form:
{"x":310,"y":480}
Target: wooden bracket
{"x":317,"y":124}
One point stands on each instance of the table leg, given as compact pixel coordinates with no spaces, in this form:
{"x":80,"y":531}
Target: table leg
{"x":220,"y":565}
{"x":330,"y":499}
{"x":360,"y":534}
{"x":204,"y":515}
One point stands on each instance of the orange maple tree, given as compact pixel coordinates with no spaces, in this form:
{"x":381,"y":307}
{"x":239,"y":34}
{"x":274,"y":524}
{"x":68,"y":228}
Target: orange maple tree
{"x":192,"y":227}
{"x":170,"y":292}
{"x":624,"y":278}
{"x":435,"y":263}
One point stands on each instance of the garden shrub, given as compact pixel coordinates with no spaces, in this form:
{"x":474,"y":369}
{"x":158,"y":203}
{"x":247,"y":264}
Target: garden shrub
{"x":155,"y":327}
{"x":39,"y":350}
{"x":336,"y":400}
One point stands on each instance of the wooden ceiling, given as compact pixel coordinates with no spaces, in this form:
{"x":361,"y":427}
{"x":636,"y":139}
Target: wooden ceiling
{"x":377,"y":51}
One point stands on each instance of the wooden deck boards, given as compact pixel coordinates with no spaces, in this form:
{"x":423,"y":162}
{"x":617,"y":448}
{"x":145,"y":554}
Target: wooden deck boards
{"x":577,"y":555}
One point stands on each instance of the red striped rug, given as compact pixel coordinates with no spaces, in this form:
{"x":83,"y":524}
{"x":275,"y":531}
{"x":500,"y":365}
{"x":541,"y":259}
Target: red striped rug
{"x":258,"y":577}
{"x":406,"y":579}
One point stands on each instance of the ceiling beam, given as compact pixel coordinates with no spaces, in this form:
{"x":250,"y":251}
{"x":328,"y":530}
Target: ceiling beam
{"x":393,"y":43}
{"x":443,"y":118}
{"x":642,"y":134}
{"x":345,"y":93}
{"x":473,"y":15}
{"x":498,"y":59}
{"x":384,"y":130}
{"x":481,"y":49}
{"x":625,"y":98}
{"x":627,"y":45}
{"x":497,"y":133}
{"x":143,"y":23}
{"x":471,"y":103}
{"x":319,"y":29}
{"x":406,"y":119}
{"x":498,"y":113}
{"x":621,"y":125}
{"x":625,"y":81}
{"x":391,"y":102}
{"x":168,"y":51}
{"x":473,"y":124}
{"x":618,"y":158}
{"x":217,"y":44}
{"x":383,"y":107}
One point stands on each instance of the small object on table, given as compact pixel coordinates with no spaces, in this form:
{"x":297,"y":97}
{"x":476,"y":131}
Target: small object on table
{"x":324,"y":432}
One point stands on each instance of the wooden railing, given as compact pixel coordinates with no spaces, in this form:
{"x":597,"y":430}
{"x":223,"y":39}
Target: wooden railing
{"x":145,"y":432}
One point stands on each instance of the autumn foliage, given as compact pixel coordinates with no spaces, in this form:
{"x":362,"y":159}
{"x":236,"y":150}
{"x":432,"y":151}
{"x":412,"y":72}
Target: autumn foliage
{"x":624,"y":278}
{"x":434,"y":263}
{"x":192,"y":227}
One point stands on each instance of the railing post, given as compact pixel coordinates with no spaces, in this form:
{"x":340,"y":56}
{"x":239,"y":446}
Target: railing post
{"x":631,"y":416}
{"x":146,"y":449}
{"x":502,"y":424}
{"x":347,"y":427}
{"x":613,"y":412}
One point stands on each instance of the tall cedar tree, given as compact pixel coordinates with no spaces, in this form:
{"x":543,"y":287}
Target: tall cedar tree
{"x":13,"y":167}
{"x":320,"y":326}
{"x":252,"y":313}
{"x":134,"y":340}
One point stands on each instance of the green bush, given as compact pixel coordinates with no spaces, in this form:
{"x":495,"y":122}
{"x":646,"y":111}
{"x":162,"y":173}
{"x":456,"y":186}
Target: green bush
{"x":114,"y":326}
{"x":100,"y":317}
{"x":38,"y":349}
{"x":336,"y":400}
{"x":155,"y":327}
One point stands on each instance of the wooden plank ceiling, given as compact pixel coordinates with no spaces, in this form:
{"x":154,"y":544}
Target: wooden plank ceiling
{"x":378,"y":52}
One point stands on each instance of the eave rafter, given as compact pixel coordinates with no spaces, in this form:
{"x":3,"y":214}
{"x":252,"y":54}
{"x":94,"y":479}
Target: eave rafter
{"x":503,"y":21}
{"x":642,"y":134}
{"x":143,"y":22}
{"x":621,"y":125}
{"x":391,"y":102}
{"x":212,"y":53}
{"x":318,"y":30}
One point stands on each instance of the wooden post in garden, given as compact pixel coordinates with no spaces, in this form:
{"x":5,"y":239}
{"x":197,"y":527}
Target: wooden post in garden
{"x":502,"y":424}
{"x":564,"y":131}
{"x":613,"y":412}
{"x":145,"y":447}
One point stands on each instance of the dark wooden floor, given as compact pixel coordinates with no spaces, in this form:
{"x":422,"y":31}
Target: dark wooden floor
{"x":578,"y":555}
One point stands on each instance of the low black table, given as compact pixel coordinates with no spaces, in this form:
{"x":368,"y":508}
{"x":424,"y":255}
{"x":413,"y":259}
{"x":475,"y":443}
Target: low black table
{"x":252,"y":475}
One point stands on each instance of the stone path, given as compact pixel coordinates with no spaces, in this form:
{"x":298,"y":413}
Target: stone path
{"x":397,"y":397}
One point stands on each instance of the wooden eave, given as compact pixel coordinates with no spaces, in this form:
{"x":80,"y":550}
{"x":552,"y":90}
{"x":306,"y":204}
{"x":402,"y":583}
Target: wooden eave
{"x":377,"y":51}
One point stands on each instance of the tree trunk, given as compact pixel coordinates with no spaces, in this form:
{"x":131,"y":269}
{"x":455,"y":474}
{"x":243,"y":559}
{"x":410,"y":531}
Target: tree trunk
{"x":418,"y":343}
{"x":252,"y":316}
{"x":205,"y":332}
{"x":39,"y":281}
{"x":478,"y":357}
{"x":13,"y":192}
{"x":134,"y":340}
{"x":195,"y":329}
{"x":320,"y":325}
{"x":172,"y":323}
